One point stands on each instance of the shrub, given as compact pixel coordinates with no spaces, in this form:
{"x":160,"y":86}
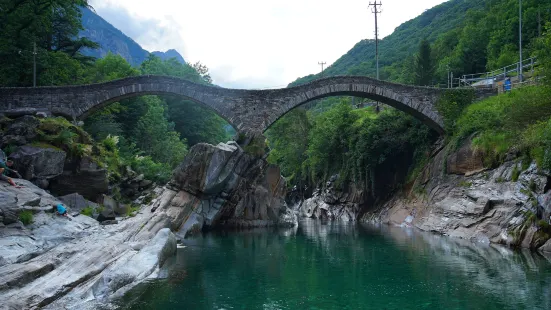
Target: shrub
{"x":26,"y":217}
{"x":452,"y":104}
{"x":465,"y":184}
{"x":158,"y":172}
{"x":515,"y":174}
{"x":257,"y":147}
{"x":88,"y":211}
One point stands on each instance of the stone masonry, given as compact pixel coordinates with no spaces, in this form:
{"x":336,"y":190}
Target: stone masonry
{"x":248,"y":111}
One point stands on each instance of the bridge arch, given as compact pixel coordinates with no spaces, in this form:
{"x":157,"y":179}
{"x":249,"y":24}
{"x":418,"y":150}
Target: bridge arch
{"x":248,"y":111}
{"x":416,"y":101}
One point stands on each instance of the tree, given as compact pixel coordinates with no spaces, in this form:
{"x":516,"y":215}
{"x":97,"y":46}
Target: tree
{"x":51,"y":25}
{"x":288,"y":140}
{"x":543,"y":53}
{"x":424,"y":65}
{"x":111,"y":67}
{"x":203,"y":72}
{"x":156,"y":137}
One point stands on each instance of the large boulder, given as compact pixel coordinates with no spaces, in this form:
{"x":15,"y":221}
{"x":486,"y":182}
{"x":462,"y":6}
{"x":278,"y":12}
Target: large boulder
{"x":221,"y":186}
{"x":38,"y":163}
{"x":81,"y":176}
{"x":77,"y":202}
{"x":19,"y":131}
{"x":465,"y":160}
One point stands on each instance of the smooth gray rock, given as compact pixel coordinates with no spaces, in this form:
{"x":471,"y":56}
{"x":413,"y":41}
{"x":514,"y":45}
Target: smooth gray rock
{"x":546,"y":247}
{"x":77,"y":202}
{"x":38,"y":163}
{"x":55,"y":262}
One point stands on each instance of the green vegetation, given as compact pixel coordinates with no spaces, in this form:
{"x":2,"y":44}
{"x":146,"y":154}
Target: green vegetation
{"x":519,"y":121}
{"x":151,"y":134}
{"x":358,"y":144}
{"x":515,"y":174}
{"x":424,"y":67}
{"x":26,"y":217}
{"x":88,"y":211}
{"x":465,"y":184}
{"x":53,"y":26}
{"x":154,"y":133}
{"x":466,"y":36}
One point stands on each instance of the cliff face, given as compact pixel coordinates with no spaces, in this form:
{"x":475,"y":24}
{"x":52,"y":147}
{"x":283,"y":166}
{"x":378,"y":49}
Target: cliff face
{"x":455,"y":195}
{"x":222,"y":186}
{"x":507,"y":205}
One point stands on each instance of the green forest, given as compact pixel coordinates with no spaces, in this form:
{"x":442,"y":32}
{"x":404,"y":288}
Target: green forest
{"x":466,"y":36}
{"x":367,"y":148}
{"x":373,"y":149}
{"x":151,"y":134}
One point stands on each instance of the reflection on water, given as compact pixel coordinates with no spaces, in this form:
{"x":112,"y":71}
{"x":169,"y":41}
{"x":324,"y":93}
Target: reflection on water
{"x":345,"y":266}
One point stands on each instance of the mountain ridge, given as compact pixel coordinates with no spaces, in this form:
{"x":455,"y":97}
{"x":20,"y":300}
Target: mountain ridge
{"x":115,"y":41}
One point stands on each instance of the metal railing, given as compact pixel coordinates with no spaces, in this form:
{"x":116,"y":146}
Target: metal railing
{"x":500,"y":74}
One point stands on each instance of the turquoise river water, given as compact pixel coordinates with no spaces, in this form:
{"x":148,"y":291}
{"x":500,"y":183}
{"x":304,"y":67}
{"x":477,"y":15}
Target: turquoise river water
{"x":344,"y":266}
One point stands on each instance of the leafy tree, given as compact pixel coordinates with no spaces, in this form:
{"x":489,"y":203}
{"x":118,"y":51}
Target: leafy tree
{"x":288,"y":140}
{"x":203,"y":71}
{"x":155,"y":135}
{"x":111,"y":67}
{"x":51,"y":25}
{"x":543,"y":52}
{"x":424,"y":67}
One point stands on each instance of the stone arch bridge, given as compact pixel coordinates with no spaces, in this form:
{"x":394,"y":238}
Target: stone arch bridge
{"x":248,"y":111}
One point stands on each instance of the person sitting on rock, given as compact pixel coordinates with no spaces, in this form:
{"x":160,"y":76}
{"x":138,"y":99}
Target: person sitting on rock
{"x":60,"y":210}
{"x":4,"y":170}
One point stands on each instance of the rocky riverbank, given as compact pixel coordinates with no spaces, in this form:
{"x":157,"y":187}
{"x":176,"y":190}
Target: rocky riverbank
{"x":509,"y":204}
{"x":78,"y":263}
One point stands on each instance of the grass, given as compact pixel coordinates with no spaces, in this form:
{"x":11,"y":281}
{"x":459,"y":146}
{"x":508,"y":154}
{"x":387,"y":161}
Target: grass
{"x":132,"y":210}
{"x":465,"y":184}
{"x":518,"y":122}
{"x":26,"y":217}
{"x":515,"y":174}
{"x":88,"y":211}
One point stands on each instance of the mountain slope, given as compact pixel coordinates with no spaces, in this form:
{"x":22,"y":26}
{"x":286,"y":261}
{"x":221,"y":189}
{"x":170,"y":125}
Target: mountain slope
{"x":115,"y":41}
{"x":466,"y":36}
{"x":404,"y":41}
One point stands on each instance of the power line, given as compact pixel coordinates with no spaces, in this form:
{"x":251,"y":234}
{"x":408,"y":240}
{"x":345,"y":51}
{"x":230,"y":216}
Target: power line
{"x":375,"y":11}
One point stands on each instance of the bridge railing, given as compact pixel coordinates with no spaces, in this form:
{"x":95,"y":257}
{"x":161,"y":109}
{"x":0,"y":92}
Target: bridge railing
{"x":515,"y":69}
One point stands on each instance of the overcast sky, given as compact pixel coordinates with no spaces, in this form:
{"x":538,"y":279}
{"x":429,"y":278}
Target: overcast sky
{"x":256,"y":43}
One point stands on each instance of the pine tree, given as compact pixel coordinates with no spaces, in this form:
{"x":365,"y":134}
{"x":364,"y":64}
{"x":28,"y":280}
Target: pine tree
{"x":424,"y":64}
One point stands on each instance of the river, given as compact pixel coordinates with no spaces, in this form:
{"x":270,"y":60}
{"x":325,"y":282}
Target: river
{"x":344,"y":266}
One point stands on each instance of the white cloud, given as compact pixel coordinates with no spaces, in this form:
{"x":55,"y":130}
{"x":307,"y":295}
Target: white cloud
{"x":256,"y":43}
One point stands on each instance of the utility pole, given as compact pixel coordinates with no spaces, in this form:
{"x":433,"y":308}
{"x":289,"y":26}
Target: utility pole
{"x":449,"y":77}
{"x":322,"y":64}
{"x":375,"y":11}
{"x":520,"y":39}
{"x":34,"y":64}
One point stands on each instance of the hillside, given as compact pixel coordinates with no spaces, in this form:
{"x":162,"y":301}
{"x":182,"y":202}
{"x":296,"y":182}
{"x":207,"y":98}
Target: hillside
{"x":469,"y":35}
{"x":115,"y":41}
